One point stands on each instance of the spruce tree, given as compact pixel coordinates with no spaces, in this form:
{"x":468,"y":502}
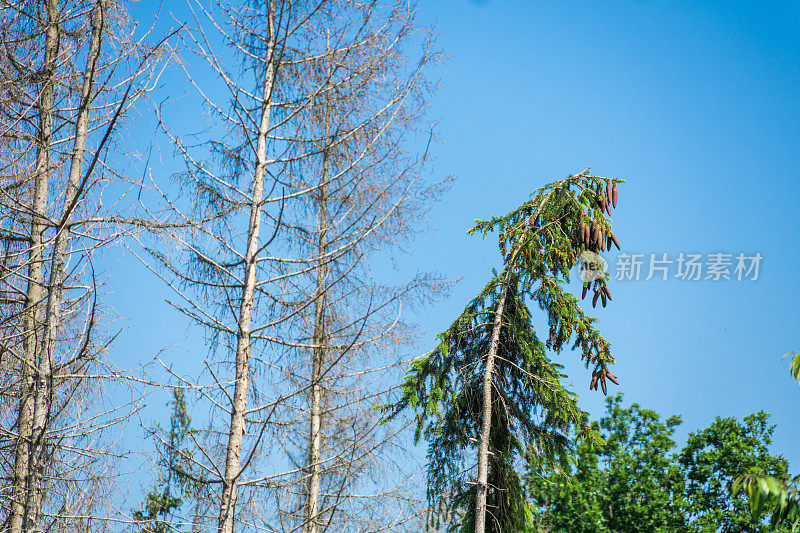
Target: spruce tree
{"x":489,"y":399}
{"x":160,"y":510}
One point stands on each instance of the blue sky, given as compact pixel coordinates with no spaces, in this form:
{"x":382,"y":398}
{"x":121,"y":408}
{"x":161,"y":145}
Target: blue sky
{"x":694,"y":104}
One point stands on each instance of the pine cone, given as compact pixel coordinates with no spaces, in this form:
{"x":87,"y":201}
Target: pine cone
{"x":614,"y":239}
{"x":614,"y":195}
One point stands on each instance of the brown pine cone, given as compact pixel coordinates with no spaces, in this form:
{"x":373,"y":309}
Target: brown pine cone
{"x":614,"y":239}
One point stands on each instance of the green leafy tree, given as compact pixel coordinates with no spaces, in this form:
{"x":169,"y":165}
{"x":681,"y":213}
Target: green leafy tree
{"x":630,"y":483}
{"x":636,"y":481}
{"x":488,"y":399}
{"x":713,"y":458}
{"x":774,"y":494}
{"x":175,"y":481}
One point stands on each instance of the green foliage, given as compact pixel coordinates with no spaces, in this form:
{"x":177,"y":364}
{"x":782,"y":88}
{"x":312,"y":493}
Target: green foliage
{"x":157,"y":508}
{"x":175,"y":481}
{"x":767,"y":493}
{"x":628,"y":484}
{"x":713,"y":458}
{"x":532,"y":416}
{"x":532,"y":412}
{"x":794,"y":365}
{"x":637,"y":483}
{"x":774,"y":495}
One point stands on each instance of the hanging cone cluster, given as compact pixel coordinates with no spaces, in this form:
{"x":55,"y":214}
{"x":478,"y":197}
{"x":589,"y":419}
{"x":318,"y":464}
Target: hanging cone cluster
{"x":601,"y":292}
{"x":598,"y":237}
{"x":599,"y":378}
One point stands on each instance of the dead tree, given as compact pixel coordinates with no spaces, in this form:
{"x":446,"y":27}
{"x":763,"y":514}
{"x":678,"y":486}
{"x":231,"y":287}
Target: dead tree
{"x":70,"y":71}
{"x":284,"y":209}
{"x":366,"y":198}
{"x":218,"y":270}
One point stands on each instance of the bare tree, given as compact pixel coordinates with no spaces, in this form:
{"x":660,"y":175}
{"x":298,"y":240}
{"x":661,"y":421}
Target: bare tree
{"x":366,"y":198}
{"x":218,"y":272}
{"x":303,"y":180}
{"x":70,"y":70}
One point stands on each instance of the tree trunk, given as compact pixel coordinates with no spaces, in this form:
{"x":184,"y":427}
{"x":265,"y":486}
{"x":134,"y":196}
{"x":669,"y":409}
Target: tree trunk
{"x":30,"y":314}
{"x":44,"y":377}
{"x":486,"y":420}
{"x":318,"y":352}
{"x":230,"y":482}
{"x":317,"y":362}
